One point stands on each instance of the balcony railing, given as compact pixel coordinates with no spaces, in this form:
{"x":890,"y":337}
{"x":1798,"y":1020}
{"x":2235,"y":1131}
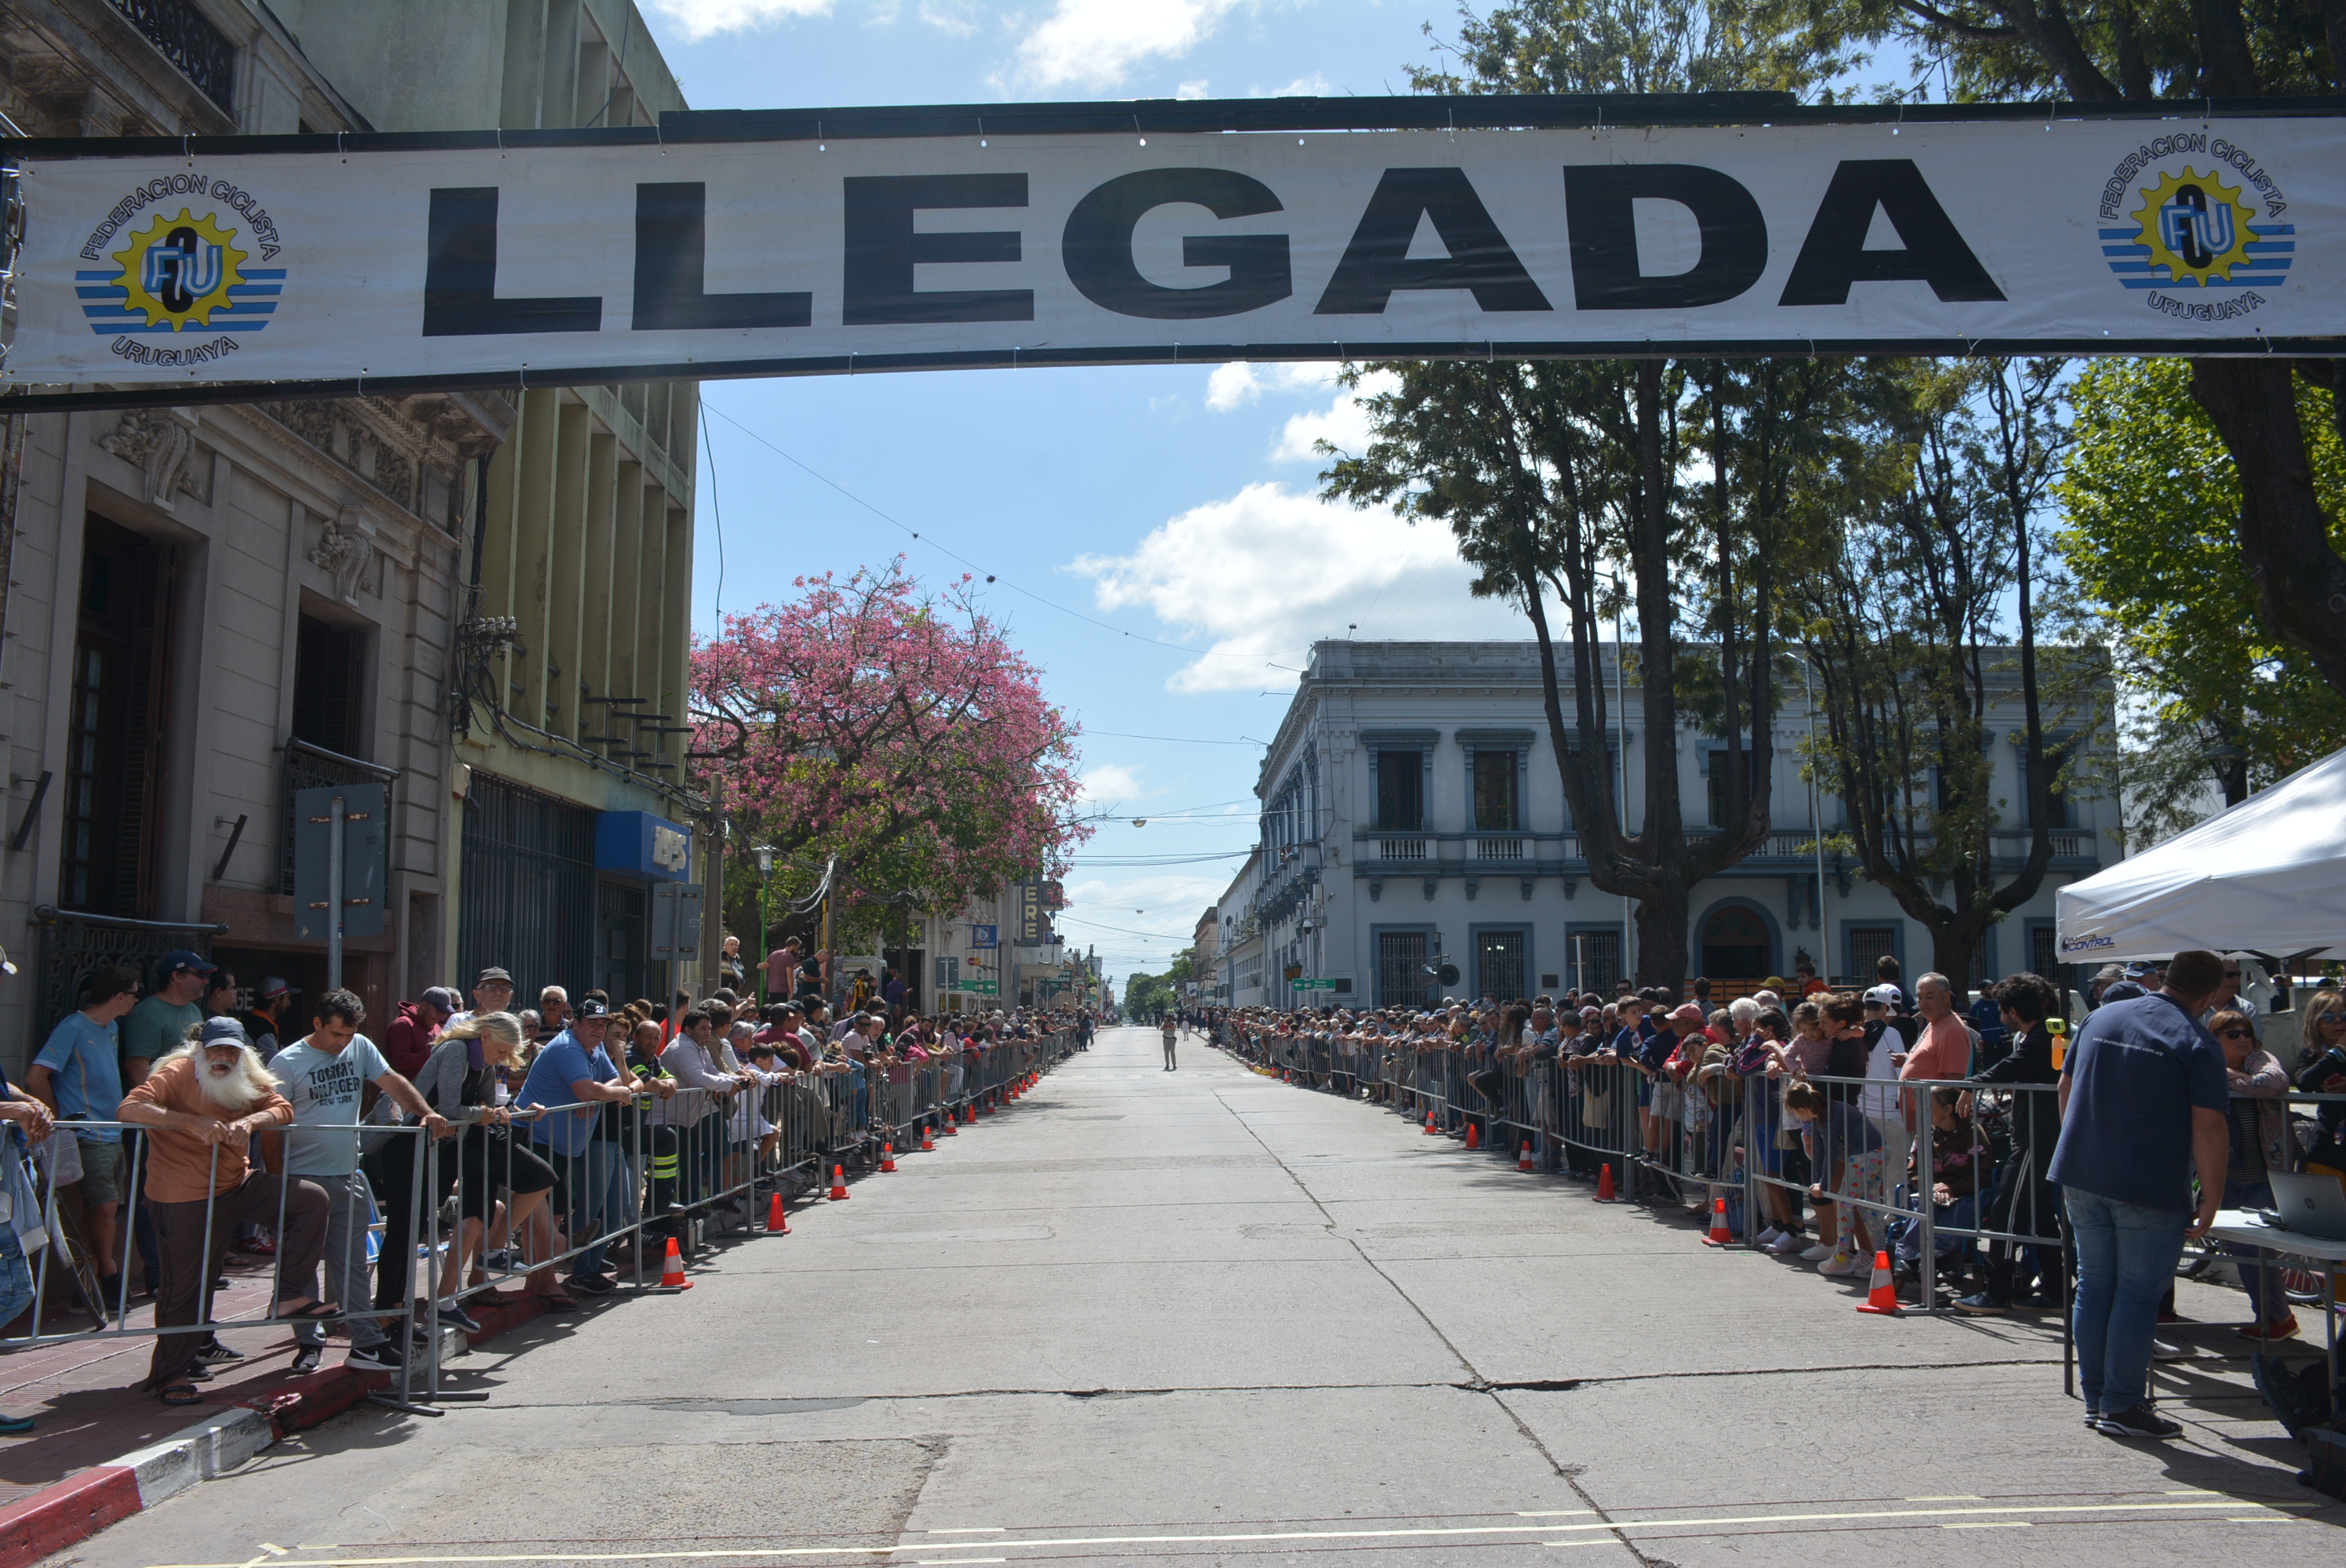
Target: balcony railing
{"x":1495,"y":848}
{"x":188,"y":40}
{"x":1402,"y":850}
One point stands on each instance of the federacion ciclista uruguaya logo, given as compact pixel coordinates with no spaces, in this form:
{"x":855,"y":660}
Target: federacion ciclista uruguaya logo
{"x":182,"y":257}
{"x":2197,"y":224}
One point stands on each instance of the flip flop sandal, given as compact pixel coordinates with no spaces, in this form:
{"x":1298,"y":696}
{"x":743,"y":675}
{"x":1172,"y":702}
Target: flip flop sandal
{"x":314,"y":1310}
{"x":180,"y":1394}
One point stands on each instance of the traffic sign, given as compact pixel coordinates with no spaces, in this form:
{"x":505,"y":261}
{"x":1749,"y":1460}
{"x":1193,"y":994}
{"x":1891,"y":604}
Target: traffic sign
{"x":982,"y":987}
{"x":1313,"y":985}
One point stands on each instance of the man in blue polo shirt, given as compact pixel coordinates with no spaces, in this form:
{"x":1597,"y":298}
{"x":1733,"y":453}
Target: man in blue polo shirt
{"x":2143,"y":1100}
{"x":573,"y":1070}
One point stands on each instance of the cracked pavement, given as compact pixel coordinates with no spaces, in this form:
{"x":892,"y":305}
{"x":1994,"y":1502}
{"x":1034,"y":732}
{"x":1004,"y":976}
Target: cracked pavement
{"x":1206,"y":1316}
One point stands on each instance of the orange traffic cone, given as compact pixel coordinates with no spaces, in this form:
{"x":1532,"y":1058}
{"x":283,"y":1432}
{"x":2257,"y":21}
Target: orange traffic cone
{"x":839,"y":1183}
{"x":1473,"y":1142}
{"x":1719,"y":1236}
{"x":1523,"y":1156}
{"x":888,"y":1160}
{"x":777,"y":1222}
{"x":927,"y":1142}
{"x":672,"y":1272}
{"x":1429,"y":1124}
{"x":1605,"y":1184}
{"x":1882,"y":1297}
{"x":948,"y":1131}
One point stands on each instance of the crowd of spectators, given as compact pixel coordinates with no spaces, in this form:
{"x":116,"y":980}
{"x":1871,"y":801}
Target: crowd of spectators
{"x":1855,"y":1111}
{"x":566,"y":1143}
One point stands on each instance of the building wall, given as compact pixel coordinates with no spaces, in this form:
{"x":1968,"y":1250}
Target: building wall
{"x":361,"y":513}
{"x":1328,"y":885}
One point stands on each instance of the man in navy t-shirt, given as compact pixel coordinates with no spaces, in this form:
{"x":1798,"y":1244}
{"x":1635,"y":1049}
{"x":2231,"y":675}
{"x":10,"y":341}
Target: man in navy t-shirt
{"x":2143,"y":1099}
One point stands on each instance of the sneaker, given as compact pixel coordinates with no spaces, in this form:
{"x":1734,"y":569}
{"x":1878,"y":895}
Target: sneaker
{"x":305,"y":1359}
{"x":1986,"y":1302}
{"x":455,"y":1316}
{"x":1786,"y":1241}
{"x":1769,"y":1236}
{"x":1844,"y":1264}
{"x":1816,"y":1253}
{"x":2278,"y":1328}
{"x":594,"y":1283}
{"x":216,"y":1354}
{"x":2141,"y":1421}
{"x":2166,"y":1351}
{"x":383,"y":1357}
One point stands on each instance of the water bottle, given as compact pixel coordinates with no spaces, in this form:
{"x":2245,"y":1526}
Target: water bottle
{"x":2060,"y":1028}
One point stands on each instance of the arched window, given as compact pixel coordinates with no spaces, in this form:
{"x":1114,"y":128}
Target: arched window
{"x":1735,"y":944}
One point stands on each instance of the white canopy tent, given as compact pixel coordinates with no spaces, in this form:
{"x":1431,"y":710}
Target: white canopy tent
{"x":2267,"y":876}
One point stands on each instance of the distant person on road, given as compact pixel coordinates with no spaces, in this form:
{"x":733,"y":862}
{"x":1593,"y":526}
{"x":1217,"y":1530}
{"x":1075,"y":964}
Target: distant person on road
{"x":2144,"y":1101}
{"x":1167,"y":1024}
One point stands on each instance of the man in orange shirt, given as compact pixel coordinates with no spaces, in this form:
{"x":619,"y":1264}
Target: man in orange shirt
{"x":202,"y":1104}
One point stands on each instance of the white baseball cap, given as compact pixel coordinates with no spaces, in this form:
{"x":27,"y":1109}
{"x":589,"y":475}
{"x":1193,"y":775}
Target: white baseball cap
{"x":1885,"y":996}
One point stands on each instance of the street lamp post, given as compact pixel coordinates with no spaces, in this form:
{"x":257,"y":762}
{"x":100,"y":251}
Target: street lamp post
{"x":765,"y":854}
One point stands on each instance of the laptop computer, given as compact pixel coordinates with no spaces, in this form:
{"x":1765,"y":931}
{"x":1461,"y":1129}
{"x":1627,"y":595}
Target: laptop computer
{"x":2310,"y":1203}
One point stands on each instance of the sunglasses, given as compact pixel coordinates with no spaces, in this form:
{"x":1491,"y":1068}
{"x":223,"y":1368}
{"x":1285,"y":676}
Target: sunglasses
{"x":2236,"y":1034}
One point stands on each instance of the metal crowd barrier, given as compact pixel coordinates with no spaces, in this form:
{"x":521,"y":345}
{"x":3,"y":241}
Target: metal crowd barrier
{"x":433,"y":1224}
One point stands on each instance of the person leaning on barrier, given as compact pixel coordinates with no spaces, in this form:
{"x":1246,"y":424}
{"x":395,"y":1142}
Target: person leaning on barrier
{"x":484,"y":1168}
{"x":78,"y":1074}
{"x":322,"y":1075}
{"x":572,"y":1071}
{"x":2025,"y":1202}
{"x":2143,"y":1105}
{"x":199,"y":1108}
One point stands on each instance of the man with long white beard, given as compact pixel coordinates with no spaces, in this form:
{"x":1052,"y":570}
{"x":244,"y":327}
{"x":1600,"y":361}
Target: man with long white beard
{"x":202,"y":1103}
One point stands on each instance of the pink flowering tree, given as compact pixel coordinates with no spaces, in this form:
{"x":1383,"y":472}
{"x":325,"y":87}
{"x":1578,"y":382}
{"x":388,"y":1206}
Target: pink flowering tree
{"x":895,"y":728}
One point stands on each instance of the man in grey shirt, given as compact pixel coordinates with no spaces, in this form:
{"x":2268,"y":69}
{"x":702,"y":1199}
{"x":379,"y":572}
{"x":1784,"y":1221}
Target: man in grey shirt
{"x":324,"y":1077}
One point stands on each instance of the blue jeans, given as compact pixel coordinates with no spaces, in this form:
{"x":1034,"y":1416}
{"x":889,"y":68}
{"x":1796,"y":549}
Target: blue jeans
{"x":604,"y":1202}
{"x":2126,"y":1260}
{"x":2249,"y":1195}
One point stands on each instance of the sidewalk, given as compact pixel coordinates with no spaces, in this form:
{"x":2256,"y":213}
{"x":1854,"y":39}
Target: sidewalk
{"x":84,"y":1393}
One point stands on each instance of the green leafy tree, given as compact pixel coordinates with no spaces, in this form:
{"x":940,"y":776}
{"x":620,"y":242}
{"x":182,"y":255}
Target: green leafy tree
{"x":1904,"y":622}
{"x":2150,"y":502}
{"x":2147,"y":51}
{"x":1566,"y":482}
{"x":1146,"y":996}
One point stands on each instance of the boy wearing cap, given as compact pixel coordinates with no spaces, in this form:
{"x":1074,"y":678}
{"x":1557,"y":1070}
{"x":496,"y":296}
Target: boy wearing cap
{"x":272,"y":998}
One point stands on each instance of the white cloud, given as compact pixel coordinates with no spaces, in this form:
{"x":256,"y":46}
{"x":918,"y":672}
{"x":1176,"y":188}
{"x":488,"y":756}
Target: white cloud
{"x":958,"y":17}
{"x":1343,"y":425}
{"x":1110,"y":782}
{"x":1238,"y":383}
{"x":700,"y":19}
{"x":1094,"y":43}
{"x":1196,"y":89}
{"x":1314,"y":86}
{"x":1263,"y":573}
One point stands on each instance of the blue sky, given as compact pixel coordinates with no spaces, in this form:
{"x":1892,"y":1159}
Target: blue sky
{"x":1117,"y":509}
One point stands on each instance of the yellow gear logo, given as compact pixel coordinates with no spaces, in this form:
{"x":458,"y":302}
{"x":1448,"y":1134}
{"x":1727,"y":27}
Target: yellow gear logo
{"x":180,"y":269}
{"x":2195,"y":226}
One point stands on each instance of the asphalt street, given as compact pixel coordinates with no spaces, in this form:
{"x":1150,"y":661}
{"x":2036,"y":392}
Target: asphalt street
{"x":1207,"y":1317}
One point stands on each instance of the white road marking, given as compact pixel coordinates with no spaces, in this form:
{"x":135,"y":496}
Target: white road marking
{"x":1428,"y":1533}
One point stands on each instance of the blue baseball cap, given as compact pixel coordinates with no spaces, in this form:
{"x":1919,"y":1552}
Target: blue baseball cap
{"x":179,"y":957}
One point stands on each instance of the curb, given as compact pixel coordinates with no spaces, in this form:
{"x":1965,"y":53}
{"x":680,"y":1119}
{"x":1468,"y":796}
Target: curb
{"x":73,"y":1510}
